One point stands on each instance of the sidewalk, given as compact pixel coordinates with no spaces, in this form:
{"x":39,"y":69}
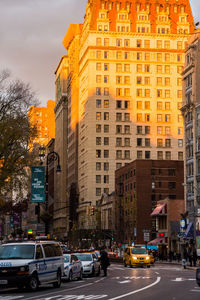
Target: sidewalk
{"x":176,"y":263}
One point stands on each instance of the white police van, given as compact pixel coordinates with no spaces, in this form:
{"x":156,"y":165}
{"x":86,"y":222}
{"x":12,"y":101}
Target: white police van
{"x":30,"y":264}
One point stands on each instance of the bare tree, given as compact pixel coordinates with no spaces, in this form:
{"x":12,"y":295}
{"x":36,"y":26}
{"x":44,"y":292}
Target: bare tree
{"x":16,"y":99}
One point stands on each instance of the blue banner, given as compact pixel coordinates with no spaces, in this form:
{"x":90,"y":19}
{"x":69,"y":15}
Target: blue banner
{"x":37,"y":184}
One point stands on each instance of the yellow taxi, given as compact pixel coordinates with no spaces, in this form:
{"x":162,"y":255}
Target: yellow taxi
{"x":136,"y":256}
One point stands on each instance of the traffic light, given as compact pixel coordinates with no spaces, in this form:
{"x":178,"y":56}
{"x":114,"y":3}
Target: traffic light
{"x":92,"y":210}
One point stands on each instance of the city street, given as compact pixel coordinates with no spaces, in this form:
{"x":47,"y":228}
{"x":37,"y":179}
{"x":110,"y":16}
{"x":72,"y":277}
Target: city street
{"x":159,"y":282}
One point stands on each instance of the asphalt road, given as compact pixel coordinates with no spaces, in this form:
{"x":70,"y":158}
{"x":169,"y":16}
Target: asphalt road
{"x":161,"y":282}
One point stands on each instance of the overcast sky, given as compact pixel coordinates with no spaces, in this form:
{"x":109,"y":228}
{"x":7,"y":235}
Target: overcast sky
{"x":31,"y":34}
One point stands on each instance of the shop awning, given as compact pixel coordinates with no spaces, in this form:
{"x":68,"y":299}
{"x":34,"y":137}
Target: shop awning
{"x":189,"y":233}
{"x":160,"y":209}
{"x":156,"y":241}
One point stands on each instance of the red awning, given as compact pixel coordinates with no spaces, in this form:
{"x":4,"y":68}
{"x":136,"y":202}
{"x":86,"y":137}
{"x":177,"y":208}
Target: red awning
{"x":159,"y":210}
{"x":156,"y":241}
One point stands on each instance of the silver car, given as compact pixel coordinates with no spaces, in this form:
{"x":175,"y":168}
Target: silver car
{"x":90,"y":263}
{"x":72,"y":267}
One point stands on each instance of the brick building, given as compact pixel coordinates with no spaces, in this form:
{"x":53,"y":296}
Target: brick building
{"x":139,"y":186}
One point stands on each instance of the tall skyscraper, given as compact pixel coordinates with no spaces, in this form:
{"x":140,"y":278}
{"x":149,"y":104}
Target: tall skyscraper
{"x":123,"y":90}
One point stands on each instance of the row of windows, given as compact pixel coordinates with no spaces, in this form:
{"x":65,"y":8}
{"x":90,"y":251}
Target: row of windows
{"x":160,"y":117}
{"x":160,"y":155}
{"x":160,"y":105}
{"x":99,"y":191}
{"x":102,"y":179}
{"x":160,"y":130}
{"x":164,"y":57}
{"x":140,"y":68}
{"x":119,"y":141}
{"x":161,"y":81}
{"x":119,"y":104}
{"x":159,"y":93}
{"x":100,"y":165}
{"x":160,"y":142}
{"x":105,"y":154}
{"x":126,"y":116}
{"x":119,"y":79}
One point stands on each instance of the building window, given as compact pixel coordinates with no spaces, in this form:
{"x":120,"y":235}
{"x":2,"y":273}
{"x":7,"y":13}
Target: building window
{"x":139,"y":117}
{"x":147,"y":154}
{"x":159,"y":118}
{"x":118,"y":104}
{"x":98,"y":178}
{"x":167,"y":118}
{"x":106,"y":128}
{"x":167,"y":143}
{"x":167,"y":105}
{"x":98,"y":140}
{"x":159,"y":105}
{"x":159,"y":129}
{"x":159,"y":93}
{"x":180,"y":143}
{"x":127,"y":142}
{"x":180,"y":131}
{"x":127,"y":129}
{"x":106,"y":116}
{"x":127,"y":154}
{"x":119,"y":154}
{"x":118,"y":165}
{"x":106,"y":91}
{"x":118,"y":67}
{"x":98,"y":128}
{"x":98,"y":54}
{"x":98,"y":191}
{"x":98,"y":103}
{"x":139,"y":142}
{"x":106,"y":67}
{"x":118,"y":92}
{"x":106,"y":79}
{"x":139,"y":129}
{"x":126,"y":104}
{"x":147,"y":142}
{"x":98,"y":153}
{"x":106,"y":166}
{"x":147,"y":117}
{"x":106,"y":141}
{"x":126,"y":117}
{"x":168,"y":155}
{"x":167,"y":130}
{"x":118,"y":142}
{"x":118,"y":117}
{"x":139,"y":154}
{"x":98,"y":166}
{"x":98,"y":79}
{"x":159,"y":143}
{"x":160,"y":155}
{"x":98,"y":91}
{"x":147,"y":129}
{"x":180,"y":155}
{"x":106,"y":103}
{"x":126,"y":92}
{"x":98,"y":66}
{"x":106,"y":153}
{"x":98,"y":116}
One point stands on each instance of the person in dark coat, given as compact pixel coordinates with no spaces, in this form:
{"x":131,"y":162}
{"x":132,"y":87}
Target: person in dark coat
{"x":104,"y":260}
{"x":194,"y":257}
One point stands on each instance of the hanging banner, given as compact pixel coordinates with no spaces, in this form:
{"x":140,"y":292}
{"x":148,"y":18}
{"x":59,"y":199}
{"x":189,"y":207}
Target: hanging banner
{"x":37,"y":184}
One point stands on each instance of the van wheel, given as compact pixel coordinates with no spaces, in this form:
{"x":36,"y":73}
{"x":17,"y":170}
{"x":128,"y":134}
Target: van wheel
{"x":80,"y":275}
{"x":57,"y":284}
{"x":70,"y":276}
{"x":99,"y":271}
{"x":125,"y":265}
{"x":33,"y":283}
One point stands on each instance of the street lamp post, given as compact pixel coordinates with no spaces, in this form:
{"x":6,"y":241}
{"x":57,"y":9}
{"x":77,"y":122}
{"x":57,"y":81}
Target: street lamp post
{"x":51,"y":157}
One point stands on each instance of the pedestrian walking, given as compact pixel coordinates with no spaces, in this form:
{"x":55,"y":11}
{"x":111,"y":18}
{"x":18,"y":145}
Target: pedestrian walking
{"x":104,"y":260}
{"x":194,"y":257}
{"x":185,"y":257}
{"x":190,"y":255}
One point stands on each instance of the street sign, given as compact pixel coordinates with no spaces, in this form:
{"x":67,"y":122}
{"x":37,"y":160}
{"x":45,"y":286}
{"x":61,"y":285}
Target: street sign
{"x":37,"y":184}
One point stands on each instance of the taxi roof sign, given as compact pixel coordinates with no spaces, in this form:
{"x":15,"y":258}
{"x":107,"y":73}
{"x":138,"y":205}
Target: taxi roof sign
{"x":30,"y":231}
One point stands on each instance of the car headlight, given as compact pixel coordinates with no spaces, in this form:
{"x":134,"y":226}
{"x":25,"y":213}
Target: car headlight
{"x":24,"y":269}
{"x":134,"y":257}
{"x":147,"y":257}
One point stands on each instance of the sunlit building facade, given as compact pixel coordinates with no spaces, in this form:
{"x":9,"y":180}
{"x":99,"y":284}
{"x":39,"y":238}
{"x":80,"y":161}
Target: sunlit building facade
{"x":125,"y":89}
{"x":44,"y":120}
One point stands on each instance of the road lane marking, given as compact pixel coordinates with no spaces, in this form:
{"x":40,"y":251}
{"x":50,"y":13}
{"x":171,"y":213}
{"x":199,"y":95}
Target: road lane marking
{"x":75,"y":297}
{"x":157,"y":273}
{"x":125,"y":281}
{"x":198,"y":291}
{"x":178,"y":279}
{"x":137,"y":291}
{"x":11,"y":297}
{"x":65,"y":289}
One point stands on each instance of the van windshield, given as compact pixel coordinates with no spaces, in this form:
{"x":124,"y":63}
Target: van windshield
{"x":17,"y":251}
{"x":138,"y":251}
{"x":84,"y":257}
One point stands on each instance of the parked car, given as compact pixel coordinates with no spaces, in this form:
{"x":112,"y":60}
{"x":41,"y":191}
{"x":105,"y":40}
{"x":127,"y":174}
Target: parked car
{"x":72,"y":267}
{"x":31,"y":264}
{"x":90,"y":263}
